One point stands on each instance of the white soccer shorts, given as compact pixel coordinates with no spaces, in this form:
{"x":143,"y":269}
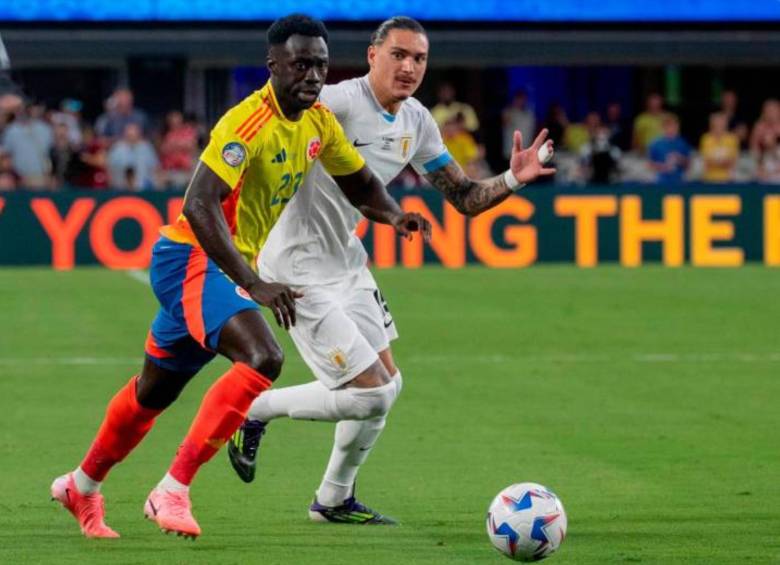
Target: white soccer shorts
{"x":341,"y":327}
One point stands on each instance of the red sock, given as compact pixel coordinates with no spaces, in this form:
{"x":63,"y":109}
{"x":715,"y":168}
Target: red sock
{"x":221,"y":413}
{"x":125,"y":425}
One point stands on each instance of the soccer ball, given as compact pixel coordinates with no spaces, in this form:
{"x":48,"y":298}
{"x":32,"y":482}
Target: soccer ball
{"x":526,"y":522}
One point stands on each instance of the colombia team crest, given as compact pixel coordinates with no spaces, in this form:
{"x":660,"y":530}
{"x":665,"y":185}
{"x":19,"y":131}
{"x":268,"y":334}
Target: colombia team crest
{"x":313,"y":149}
{"x":233,"y":154}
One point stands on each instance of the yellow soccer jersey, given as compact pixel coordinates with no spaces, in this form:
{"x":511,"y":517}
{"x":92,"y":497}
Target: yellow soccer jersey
{"x":264,"y":158}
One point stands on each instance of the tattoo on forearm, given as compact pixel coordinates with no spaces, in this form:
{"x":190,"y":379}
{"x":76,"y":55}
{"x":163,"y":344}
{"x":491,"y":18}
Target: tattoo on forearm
{"x":469,"y":196}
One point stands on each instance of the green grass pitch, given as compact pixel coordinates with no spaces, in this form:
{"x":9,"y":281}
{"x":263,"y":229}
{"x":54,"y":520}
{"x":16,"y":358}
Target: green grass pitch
{"x":648,"y":399}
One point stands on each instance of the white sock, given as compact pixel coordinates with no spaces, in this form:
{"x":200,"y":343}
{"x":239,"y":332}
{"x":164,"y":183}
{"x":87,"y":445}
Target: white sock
{"x":85,"y":483}
{"x":311,"y":401}
{"x":354,"y":441}
{"x":170,"y":484}
{"x":314,"y":401}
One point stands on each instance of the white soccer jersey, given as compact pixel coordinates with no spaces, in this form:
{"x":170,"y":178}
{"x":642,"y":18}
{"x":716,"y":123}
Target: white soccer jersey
{"x":314,"y":240}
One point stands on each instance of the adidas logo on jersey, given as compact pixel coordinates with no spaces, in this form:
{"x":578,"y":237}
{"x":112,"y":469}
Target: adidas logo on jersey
{"x":280,"y":157}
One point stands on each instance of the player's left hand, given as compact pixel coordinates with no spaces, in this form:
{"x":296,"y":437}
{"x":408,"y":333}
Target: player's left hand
{"x":524,"y":163}
{"x":409,"y":222}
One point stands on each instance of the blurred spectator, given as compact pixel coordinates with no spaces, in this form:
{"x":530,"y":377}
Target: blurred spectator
{"x":9,"y":180}
{"x":769,"y":160}
{"x":577,"y":135}
{"x":40,"y":150}
{"x":600,"y":157}
{"x":10,"y":104}
{"x":618,"y":132}
{"x":28,"y":140}
{"x":93,"y":159}
{"x":132,"y":161}
{"x":200,"y":128}
{"x":70,"y":115}
{"x":719,"y":150}
{"x":517,"y":116}
{"x":737,"y":124}
{"x":459,"y":141}
{"x":64,"y":157}
{"x":647,"y":125}
{"x":768,"y":124}
{"x":556,"y":123}
{"x":670,"y":154}
{"x":120,"y":112}
{"x":479,"y":168}
{"x":447,"y":108}
{"x":11,"y":100}
{"x":37,"y":112}
{"x":634,"y":168}
{"x":178,"y":150}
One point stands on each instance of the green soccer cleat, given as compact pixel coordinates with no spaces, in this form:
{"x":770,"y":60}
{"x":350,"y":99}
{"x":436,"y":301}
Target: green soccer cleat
{"x":242,"y":449}
{"x":351,"y":512}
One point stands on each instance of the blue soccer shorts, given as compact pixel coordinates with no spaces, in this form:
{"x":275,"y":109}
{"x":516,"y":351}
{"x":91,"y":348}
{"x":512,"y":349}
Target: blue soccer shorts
{"x":196,"y":300}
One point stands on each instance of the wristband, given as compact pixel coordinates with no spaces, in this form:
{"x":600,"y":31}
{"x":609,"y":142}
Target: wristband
{"x":511,"y":181}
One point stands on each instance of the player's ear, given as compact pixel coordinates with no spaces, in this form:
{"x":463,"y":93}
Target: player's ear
{"x":371,"y":55}
{"x":270,"y":62}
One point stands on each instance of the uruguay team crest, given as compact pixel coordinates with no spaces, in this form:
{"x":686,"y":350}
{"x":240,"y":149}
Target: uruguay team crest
{"x":339,"y":359}
{"x":406,"y":144}
{"x":313,"y":149}
{"x":233,"y":154}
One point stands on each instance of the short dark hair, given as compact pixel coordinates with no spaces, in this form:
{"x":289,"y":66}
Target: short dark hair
{"x":396,"y":22}
{"x":295,"y":24}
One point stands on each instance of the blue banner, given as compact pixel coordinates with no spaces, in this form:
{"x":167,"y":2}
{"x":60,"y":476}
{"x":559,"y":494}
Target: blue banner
{"x":485,"y":10}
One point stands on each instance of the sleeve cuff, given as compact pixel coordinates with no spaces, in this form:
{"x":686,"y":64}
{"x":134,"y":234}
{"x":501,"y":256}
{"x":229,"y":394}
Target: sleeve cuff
{"x":437,"y":163}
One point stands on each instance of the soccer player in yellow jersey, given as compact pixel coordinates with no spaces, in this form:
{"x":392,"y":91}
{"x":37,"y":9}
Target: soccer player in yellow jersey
{"x":258,"y":155}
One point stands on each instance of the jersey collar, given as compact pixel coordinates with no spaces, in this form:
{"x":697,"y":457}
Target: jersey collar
{"x":388,"y":117}
{"x":267,"y":93}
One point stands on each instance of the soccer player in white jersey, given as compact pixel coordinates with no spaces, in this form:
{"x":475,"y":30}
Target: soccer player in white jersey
{"x":344,"y":328}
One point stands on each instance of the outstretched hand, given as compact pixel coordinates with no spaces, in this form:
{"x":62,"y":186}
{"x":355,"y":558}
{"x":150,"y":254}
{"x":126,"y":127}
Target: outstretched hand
{"x":409,"y":222}
{"x":524,"y":163}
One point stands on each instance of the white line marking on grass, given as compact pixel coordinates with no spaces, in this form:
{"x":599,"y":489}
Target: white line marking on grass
{"x":600,"y":358}
{"x":487,"y":359}
{"x":139,"y":275}
{"x":657,"y":358}
{"x":706,"y":357}
{"x":45,"y":361}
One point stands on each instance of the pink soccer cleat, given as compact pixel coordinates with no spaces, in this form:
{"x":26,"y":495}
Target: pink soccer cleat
{"x":172,"y":511}
{"x":88,"y":509}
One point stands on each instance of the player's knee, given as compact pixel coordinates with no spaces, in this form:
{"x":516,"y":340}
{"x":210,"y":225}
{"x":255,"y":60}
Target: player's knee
{"x":373,"y":402}
{"x":267,"y":361}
